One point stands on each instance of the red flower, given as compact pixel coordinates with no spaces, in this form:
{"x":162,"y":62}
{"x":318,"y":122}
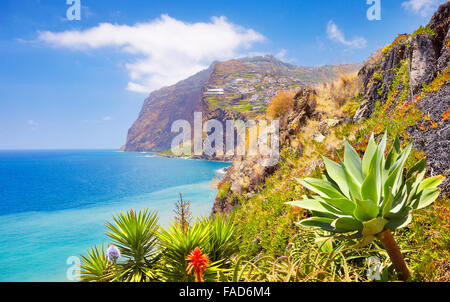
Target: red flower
{"x":197,"y":261}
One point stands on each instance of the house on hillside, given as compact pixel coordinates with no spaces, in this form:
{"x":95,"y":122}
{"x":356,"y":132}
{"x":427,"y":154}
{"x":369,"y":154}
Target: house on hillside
{"x":214,"y":91}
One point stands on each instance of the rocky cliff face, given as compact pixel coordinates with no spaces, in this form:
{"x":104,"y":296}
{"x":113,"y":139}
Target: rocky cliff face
{"x":427,"y":50}
{"x":410,"y":73}
{"x":152,"y":130}
{"x":427,"y":53}
{"x":247,"y":173}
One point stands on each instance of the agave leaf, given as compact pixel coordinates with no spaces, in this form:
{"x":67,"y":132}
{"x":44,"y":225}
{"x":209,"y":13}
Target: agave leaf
{"x":396,"y":145}
{"x":330,"y":208}
{"x":322,"y":187}
{"x":399,"y":201}
{"x":400,"y":221}
{"x":401,"y":162}
{"x":354,"y":186}
{"x":318,"y":222}
{"x":396,"y":174}
{"x":374,"y":226}
{"x":347,"y":224}
{"x":427,"y":197}
{"x":414,"y":195}
{"x":365,"y":210}
{"x":309,"y":204}
{"x":368,"y":155}
{"x":430,"y":183}
{"x":346,"y":206}
{"x":418,"y":167}
{"x":337,"y":173}
{"x":393,"y":154}
{"x":353,"y":163}
{"x":371,"y":186}
{"x":387,"y":204}
{"x":380,"y":153}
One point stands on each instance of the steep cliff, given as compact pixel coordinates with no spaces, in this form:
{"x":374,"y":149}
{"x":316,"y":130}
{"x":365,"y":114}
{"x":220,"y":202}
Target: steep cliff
{"x":423,"y":58}
{"x":248,"y":85}
{"x":151,"y":131}
{"x":404,"y":90}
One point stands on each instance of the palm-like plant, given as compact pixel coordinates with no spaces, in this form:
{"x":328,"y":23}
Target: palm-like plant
{"x":135,"y":236}
{"x":222,"y":243}
{"x":95,"y":266}
{"x":178,"y":243}
{"x":370,"y":197}
{"x":214,"y":237}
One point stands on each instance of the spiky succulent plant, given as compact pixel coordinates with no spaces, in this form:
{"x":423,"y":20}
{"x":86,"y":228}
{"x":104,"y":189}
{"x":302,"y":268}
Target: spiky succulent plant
{"x":369,"y":196}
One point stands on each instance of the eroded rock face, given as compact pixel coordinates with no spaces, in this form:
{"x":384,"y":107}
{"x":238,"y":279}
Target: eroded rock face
{"x":423,"y":62}
{"x":429,"y":55}
{"x":445,"y":55}
{"x":248,"y":172}
{"x":435,"y":142}
{"x":152,"y":129}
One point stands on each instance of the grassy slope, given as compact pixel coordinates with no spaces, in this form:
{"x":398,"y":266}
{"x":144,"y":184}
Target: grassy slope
{"x":268,"y":226}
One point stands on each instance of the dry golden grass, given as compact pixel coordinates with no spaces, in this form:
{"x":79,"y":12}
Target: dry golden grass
{"x":376,"y":57}
{"x":280,"y":104}
{"x":331,"y":97}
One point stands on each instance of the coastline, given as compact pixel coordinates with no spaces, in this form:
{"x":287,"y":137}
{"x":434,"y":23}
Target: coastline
{"x":52,"y":232}
{"x":192,"y":157}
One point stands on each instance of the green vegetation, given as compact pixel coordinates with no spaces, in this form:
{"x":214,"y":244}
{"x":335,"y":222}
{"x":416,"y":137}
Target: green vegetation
{"x":323,"y":227}
{"x":134,"y":234}
{"x":423,"y":30}
{"x":146,"y":252}
{"x":399,"y":39}
{"x":269,"y":228}
{"x":223,"y":190}
{"x":370,"y":197}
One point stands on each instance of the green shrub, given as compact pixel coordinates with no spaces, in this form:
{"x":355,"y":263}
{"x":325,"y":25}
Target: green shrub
{"x":223,"y":191}
{"x":135,"y":236}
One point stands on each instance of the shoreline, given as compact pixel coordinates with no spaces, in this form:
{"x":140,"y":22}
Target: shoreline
{"x":193,"y":157}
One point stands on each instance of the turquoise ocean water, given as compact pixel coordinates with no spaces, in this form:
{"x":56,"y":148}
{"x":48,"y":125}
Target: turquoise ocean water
{"x":53,"y":204}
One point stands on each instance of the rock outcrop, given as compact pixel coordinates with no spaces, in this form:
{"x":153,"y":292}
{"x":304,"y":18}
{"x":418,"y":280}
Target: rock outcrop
{"x":248,"y":172}
{"x":428,"y":53}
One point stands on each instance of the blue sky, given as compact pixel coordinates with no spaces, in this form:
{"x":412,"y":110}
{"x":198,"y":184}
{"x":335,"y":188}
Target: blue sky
{"x":80,"y":84}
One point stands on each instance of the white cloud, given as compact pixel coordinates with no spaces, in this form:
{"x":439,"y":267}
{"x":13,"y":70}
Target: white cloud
{"x":422,"y":7}
{"x":33,"y":123}
{"x":282,"y":55}
{"x":167,"y":50}
{"x":335,"y":34}
{"x":107,"y":118}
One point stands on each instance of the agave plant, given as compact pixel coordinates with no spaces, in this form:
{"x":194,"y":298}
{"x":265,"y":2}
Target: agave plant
{"x":370,"y":197}
{"x":135,"y":236}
